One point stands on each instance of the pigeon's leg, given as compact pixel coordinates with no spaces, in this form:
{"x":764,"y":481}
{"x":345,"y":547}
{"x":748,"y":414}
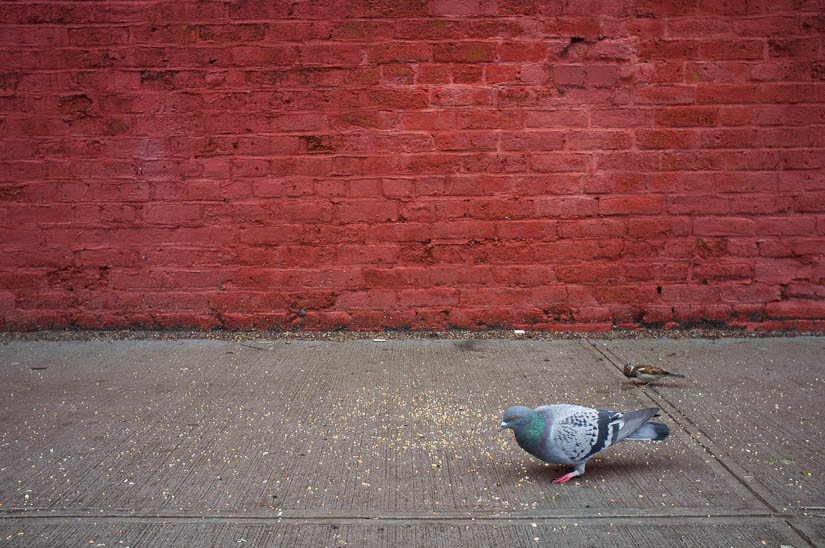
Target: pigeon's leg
{"x":577,"y":471}
{"x":565,"y":478}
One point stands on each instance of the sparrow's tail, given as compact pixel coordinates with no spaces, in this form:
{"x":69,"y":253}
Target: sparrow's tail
{"x":675,"y":375}
{"x":650,"y":431}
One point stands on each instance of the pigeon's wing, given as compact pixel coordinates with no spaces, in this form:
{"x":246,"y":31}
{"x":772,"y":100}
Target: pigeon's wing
{"x":578,"y":433}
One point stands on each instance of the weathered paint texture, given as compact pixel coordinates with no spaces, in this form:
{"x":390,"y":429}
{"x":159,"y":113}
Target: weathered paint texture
{"x":422,"y":164}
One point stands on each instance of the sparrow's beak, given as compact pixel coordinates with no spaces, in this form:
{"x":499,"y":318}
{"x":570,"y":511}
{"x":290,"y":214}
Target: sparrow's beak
{"x":502,"y":426}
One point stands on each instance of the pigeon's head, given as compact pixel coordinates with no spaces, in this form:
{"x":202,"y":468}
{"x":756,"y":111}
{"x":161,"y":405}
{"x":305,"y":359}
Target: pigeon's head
{"x":515,"y":416}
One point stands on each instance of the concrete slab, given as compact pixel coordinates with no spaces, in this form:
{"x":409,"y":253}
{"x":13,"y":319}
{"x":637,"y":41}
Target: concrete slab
{"x":51,"y":533}
{"x":176,"y":442}
{"x":756,"y":404}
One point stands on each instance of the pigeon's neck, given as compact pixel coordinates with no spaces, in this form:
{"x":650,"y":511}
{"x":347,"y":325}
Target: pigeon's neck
{"x":529,"y":435}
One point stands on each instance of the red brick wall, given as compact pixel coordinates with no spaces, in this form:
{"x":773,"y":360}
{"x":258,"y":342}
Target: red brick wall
{"x":426,"y":163}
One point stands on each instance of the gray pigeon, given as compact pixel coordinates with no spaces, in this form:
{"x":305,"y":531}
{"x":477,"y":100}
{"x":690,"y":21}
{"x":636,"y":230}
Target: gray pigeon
{"x":572,"y":434}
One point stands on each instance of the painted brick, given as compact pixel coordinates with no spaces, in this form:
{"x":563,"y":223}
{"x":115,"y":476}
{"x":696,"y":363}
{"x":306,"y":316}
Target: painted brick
{"x":490,"y":119}
{"x":587,"y":273}
{"x":399,"y":52}
{"x":643,"y":205}
{"x":531,"y":140}
{"x":601,"y":140}
{"x":659,"y":227}
{"x":698,"y":26}
{"x":459,"y":96}
{"x":559,"y":162}
{"x":553,"y":118}
{"x":723,"y":226}
{"x":435,"y":297}
{"x":666,"y":139}
{"x":731,"y":138}
{"x":424,"y":164}
{"x":665,"y":95}
{"x":726,"y":93}
{"x":438,"y":119}
{"x":727,"y":271}
{"x":561,"y":207}
{"x":465,"y":52}
{"x":502,"y":73}
{"x":686,"y":116}
{"x":781,"y":270}
{"x":769,"y":71}
{"x":569,"y":75}
{"x":472,"y":141}
{"x":494,"y":163}
{"x":731,"y":49}
{"x":796,"y":309}
{"x":621,"y":117}
{"x":692,"y":161}
{"x":669,"y":49}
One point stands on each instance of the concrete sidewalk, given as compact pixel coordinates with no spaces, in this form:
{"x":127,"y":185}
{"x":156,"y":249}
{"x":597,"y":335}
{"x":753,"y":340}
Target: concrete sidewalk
{"x":393,"y":443}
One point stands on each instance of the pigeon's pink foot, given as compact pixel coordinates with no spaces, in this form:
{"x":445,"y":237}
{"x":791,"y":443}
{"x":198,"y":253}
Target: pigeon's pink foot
{"x":565,"y":478}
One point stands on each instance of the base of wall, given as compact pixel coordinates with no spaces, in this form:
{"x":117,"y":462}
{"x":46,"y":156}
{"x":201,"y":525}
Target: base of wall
{"x":276,"y":325}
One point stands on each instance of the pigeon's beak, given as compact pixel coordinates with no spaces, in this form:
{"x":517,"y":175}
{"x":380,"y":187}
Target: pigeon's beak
{"x":502,"y":426}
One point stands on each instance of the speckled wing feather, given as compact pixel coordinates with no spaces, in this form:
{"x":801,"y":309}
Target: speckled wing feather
{"x":580,"y":432}
{"x":574,"y":433}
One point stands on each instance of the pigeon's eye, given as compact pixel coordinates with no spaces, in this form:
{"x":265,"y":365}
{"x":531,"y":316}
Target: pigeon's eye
{"x":511,"y":419}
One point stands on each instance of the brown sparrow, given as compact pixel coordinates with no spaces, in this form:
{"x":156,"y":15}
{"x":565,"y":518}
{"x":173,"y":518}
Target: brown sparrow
{"x":647,"y":373}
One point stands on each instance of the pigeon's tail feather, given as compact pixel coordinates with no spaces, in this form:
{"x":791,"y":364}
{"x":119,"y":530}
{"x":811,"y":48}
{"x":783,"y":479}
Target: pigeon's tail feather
{"x":653,"y":431}
{"x":635,"y":420}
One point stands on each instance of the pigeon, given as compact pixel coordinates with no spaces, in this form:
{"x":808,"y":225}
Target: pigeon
{"x":647,"y":373}
{"x":571,"y":434}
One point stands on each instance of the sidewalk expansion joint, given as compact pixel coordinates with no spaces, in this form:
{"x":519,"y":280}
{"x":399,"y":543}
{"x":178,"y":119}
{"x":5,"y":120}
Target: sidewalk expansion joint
{"x":671,"y":410}
{"x":98,"y":514}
